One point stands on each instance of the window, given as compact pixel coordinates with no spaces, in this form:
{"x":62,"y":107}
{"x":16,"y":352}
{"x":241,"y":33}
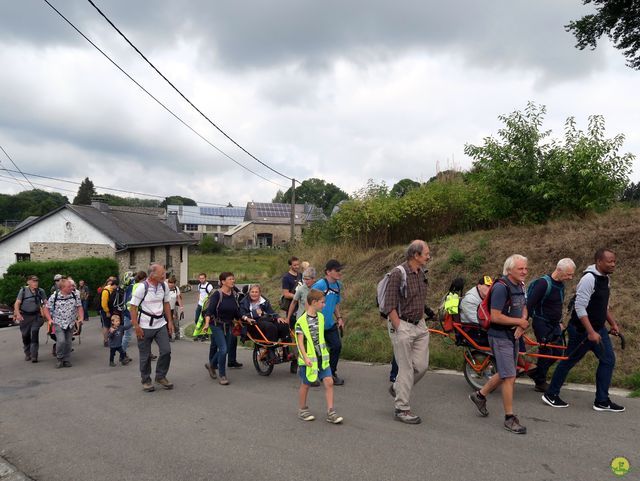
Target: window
{"x":132,"y":258}
{"x":22,"y":257}
{"x":191,"y":227}
{"x":167,"y":254}
{"x":152,"y":254}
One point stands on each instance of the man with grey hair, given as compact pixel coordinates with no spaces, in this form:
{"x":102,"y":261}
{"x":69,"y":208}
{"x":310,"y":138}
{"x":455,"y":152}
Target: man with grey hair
{"x":508,"y":323}
{"x":545,"y":299}
{"x":151,"y":318}
{"x":404,"y":305}
{"x":299,"y":304}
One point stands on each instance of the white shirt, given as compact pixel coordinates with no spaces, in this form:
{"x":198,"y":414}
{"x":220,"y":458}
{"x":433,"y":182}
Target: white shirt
{"x":153,"y":303}
{"x":173,"y":297}
{"x":204,"y":290}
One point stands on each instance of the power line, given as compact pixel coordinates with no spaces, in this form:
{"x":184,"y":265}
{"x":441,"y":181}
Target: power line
{"x":13,"y":176}
{"x":103,"y":188}
{"x":184,"y":97}
{"x":158,"y":101}
{"x":35,"y":183}
{"x":14,"y":164}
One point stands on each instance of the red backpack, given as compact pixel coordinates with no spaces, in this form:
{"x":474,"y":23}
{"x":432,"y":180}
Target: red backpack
{"x":484,"y":309}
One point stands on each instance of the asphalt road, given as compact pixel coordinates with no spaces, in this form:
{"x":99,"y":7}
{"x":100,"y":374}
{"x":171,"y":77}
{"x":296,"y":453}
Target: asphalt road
{"x":93,"y":422}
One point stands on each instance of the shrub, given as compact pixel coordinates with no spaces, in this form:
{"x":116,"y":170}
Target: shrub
{"x":208,"y":245}
{"x":93,"y":271}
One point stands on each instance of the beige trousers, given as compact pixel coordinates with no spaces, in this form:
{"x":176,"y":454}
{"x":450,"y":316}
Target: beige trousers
{"x":411,"y":349}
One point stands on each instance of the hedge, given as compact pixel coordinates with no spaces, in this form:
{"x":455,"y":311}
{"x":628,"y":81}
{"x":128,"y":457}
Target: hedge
{"x":93,"y":271}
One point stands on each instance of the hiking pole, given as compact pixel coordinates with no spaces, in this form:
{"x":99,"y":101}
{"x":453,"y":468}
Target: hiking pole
{"x":620,"y":336}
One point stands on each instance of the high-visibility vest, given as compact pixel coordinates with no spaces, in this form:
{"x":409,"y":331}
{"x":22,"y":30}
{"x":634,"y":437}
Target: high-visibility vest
{"x":312,"y":372}
{"x":451,"y":303}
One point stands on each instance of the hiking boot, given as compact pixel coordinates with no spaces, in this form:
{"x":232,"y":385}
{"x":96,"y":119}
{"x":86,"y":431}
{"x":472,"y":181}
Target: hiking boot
{"x":67,"y":364}
{"x":164,"y":382}
{"x":34,"y":359}
{"x":148,"y":387}
{"x":392,"y":391}
{"x":212,"y":371}
{"x":554,"y":401}
{"x":27,"y":357}
{"x":333,"y":418}
{"x":608,"y":406}
{"x":59,"y":364}
{"x":235,"y":365}
{"x":125,"y":361}
{"x":338,"y":381}
{"x":406,"y":417}
{"x":223,"y":380}
{"x":513,"y":424}
{"x":541,"y":386}
{"x":305,"y":415}
{"x":112,"y":364}
{"x":480,"y":402}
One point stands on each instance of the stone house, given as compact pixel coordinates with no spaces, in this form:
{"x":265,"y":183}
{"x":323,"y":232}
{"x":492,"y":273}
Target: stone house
{"x":134,"y":237}
{"x":212,"y":221}
{"x":269,"y":225}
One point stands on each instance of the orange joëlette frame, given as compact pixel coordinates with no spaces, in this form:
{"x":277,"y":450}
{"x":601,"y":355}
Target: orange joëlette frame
{"x":527,"y":340}
{"x":266,"y":342}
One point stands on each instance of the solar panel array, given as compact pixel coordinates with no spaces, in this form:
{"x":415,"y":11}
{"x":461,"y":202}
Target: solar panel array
{"x":223,"y":211}
{"x":273,"y":210}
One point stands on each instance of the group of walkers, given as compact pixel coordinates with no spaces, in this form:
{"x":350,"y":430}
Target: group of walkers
{"x":510,"y":311}
{"x":309,"y":307}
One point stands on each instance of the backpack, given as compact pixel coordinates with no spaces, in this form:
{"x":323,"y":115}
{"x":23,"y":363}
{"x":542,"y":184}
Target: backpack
{"x":144,"y":296}
{"x":55,"y":300}
{"x":381,"y":289}
{"x":117,"y":300}
{"x":531,"y":288}
{"x":38,"y":299}
{"x":444,"y":316}
{"x":572,"y":301}
{"x":484,"y":309}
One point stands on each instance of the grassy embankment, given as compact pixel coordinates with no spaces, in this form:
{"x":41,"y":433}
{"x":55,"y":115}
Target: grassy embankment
{"x":471,"y":255}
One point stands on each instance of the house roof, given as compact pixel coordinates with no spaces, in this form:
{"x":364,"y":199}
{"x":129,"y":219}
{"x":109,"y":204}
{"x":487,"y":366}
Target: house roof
{"x":237,"y":228}
{"x":276,"y":213}
{"x":126,"y":229}
{"x":28,"y":220}
{"x":223,"y":216}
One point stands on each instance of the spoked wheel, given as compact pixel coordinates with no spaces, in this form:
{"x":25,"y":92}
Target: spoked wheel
{"x":478,"y":368}
{"x":261,"y":360}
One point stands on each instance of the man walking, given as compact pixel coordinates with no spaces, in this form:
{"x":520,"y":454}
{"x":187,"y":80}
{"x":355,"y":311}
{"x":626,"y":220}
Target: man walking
{"x":545,"y":299}
{"x":588,"y":332}
{"x":84,"y":298}
{"x":404,"y":305}
{"x":331,"y":287}
{"x":150,"y":316}
{"x":27,"y":310}
{"x":508,"y":323}
{"x":290,"y":282}
{"x":64,"y":310}
{"x":204,"y":289}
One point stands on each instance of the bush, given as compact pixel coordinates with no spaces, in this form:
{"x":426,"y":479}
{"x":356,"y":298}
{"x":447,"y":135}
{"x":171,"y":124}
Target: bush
{"x":93,"y":271}
{"x":208,"y":245}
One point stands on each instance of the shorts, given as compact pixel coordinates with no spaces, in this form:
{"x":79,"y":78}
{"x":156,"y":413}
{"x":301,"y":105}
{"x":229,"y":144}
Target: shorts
{"x":105,"y":320}
{"x":302,"y":372}
{"x":505,"y":352}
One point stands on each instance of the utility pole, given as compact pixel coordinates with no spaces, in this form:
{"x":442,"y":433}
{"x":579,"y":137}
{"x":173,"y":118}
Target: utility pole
{"x":293,"y":211}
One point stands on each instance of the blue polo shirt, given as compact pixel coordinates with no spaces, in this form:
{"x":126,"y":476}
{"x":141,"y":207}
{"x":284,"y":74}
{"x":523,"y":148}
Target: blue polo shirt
{"x":332,"y":299}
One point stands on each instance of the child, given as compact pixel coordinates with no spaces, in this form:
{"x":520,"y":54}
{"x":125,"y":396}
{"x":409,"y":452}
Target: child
{"x":313,"y":360}
{"x":116,"y":332}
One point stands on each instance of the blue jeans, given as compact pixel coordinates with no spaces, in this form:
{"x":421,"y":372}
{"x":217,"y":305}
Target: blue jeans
{"x":577,"y":347}
{"x":393,"y":374}
{"x":128,"y":333}
{"x":85,"y":308}
{"x":334,"y":343}
{"x":220,"y":338}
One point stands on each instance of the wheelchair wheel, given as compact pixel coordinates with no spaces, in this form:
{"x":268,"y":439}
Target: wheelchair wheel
{"x":477,"y":379}
{"x":261,"y":360}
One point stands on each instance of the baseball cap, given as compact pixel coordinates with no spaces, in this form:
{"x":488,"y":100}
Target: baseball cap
{"x":57,"y":277}
{"x":333,"y":265}
{"x":486,"y":280}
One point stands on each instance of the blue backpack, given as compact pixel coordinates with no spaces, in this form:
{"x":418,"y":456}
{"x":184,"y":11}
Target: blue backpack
{"x":538,"y":310}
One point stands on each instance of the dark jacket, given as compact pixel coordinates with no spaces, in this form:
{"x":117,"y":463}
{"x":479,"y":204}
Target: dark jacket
{"x":265,"y":306}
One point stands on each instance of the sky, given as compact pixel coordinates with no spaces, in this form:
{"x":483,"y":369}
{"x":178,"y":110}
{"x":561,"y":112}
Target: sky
{"x":342,"y":91}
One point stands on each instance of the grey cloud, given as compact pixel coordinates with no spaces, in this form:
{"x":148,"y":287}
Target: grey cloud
{"x":259,"y":34}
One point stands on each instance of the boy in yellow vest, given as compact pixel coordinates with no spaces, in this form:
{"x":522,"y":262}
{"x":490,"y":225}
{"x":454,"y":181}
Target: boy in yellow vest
{"x":313,"y":357}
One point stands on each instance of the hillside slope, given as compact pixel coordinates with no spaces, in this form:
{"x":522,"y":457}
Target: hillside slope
{"x":473,"y":254}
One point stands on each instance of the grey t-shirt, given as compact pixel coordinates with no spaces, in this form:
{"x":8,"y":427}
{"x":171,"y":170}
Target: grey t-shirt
{"x":31,"y":301}
{"x":511,"y":301}
{"x":301,"y":297}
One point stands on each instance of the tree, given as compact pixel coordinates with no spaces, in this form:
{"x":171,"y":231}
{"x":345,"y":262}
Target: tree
{"x":618,"y":19}
{"x":86,"y":192}
{"x":530,"y":178}
{"x":34,"y":202}
{"x":177,"y":200}
{"x":318,"y":192}
{"x":402,"y":187}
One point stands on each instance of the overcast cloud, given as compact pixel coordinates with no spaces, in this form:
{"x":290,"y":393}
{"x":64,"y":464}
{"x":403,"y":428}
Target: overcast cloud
{"x":344,"y":91}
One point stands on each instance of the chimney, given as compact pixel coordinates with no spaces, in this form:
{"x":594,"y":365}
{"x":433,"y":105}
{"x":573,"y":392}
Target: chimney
{"x":97,"y":203}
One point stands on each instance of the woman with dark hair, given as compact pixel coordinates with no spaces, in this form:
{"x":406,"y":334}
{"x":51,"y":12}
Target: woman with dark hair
{"x":222,"y":310}
{"x":257,"y":311}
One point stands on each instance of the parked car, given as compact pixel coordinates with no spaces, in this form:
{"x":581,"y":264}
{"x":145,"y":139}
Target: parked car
{"x":6,"y":316}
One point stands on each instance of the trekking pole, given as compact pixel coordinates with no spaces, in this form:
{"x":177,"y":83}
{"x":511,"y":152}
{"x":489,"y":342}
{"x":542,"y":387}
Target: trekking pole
{"x":620,"y":336}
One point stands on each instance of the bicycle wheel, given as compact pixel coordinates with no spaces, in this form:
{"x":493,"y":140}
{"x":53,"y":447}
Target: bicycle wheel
{"x":261,"y":360}
{"x":481,"y":361}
